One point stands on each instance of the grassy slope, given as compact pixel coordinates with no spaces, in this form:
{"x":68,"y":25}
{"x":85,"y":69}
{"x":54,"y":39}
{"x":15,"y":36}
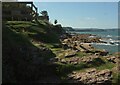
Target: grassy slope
{"x":12,"y":56}
{"x":37,"y":31}
{"x":20,"y":34}
{"x":17,"y":53}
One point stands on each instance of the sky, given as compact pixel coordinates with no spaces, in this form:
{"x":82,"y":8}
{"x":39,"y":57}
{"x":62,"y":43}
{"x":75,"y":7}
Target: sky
{"x":82,"y":14}
{"x":70,"y":0}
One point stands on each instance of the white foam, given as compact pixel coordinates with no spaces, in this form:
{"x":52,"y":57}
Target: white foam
{"x":110,"y":39}
{"x":109,"y":36}
{"x":109,"y":44}
{"x":116,"y":44}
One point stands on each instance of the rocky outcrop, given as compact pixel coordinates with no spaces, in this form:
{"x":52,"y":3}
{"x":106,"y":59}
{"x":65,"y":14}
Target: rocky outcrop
{"x":86,"y":59}
{"x":113,"y":59}
{"x":67,"y":53}
{"x":92,"y":76}
{"x":85,"y":38}
{"x":76,"y":45}
{"x":80,"y":42}
{"x":103,"y":53}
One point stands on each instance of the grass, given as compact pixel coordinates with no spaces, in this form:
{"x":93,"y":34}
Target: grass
{"x":64,"y":70}
{"x":19,"y":23}
{"x":18,"y":38}
{"x":81,"y":54}
{"x":116,"y":79}
{"x":33,"y":31}
{"x":107,"y":65}
{"x":56,"y":50}
{"x":17,"y":55}
{"x":36,"y":31}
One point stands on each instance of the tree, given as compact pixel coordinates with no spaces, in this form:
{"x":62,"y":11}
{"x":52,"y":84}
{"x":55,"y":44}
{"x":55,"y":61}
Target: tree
{"x":44,"y":13}
{"x":55,"y":22}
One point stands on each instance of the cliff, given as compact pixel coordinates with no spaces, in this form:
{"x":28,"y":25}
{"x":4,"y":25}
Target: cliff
{"x":23,"y":59}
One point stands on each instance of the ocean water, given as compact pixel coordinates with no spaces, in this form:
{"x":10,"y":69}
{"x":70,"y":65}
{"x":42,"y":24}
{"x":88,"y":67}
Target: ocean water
{"x":111,"y":36}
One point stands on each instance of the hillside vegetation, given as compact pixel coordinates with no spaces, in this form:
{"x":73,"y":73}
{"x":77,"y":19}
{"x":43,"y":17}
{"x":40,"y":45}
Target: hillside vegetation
{"x":32,"y":53}
{"x":25,"y":57}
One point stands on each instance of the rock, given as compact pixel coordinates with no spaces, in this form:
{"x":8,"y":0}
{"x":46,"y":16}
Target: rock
{"x":86,"y":59}
{"x":112,"y":59}
{"x":65,"y":46}
{"x":74,"y":72}
{"x":63,"y":61}
{"x":103,"y":53}
{"x":75,"y":63}
{"x":91,"y":70}
{"x":92,"y":76}
{"x":97,"y":54}
{"x":69,"y":53}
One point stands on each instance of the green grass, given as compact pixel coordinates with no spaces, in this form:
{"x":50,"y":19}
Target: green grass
{"x":81,"y":54}
{"x":107,"y":65}
{"x":36,"y":31}
{"x":64,"y":70}
{"x":19,"y":23}
{"x":11,"y":36}
{"x":116,"y":79}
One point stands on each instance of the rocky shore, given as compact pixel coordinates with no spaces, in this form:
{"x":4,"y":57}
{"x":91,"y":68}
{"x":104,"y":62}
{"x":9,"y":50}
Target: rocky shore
{"x":77,"y":50}
{"x":92,"y":76}
{"x":81,"y":42}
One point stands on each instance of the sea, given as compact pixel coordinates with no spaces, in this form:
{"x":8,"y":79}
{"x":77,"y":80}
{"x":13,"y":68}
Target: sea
{"x":111,"y":36}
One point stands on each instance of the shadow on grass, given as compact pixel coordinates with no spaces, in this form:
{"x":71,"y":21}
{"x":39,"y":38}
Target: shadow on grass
{"x":96,"y":62}
{"x":64,"y":70}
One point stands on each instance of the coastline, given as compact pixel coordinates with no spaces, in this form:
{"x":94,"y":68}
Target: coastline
{"x":72,"y":55}
{"x":109,"y":43}
{"x":37,"y":50}
{"x":77,"y":50}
